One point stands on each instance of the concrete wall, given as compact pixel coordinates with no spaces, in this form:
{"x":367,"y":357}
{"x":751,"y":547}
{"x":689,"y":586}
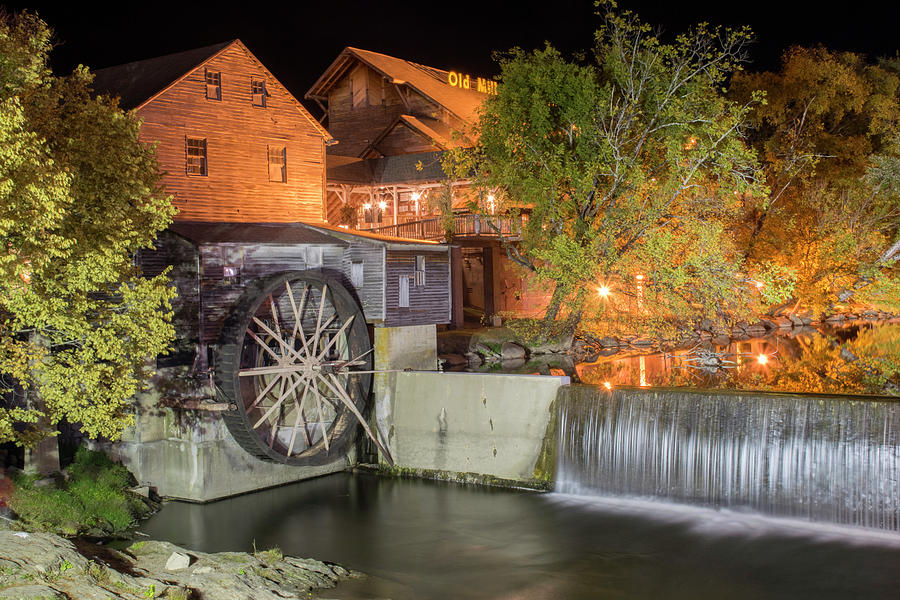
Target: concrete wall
{"x":457,"y":423}
{"x":190,"y":454}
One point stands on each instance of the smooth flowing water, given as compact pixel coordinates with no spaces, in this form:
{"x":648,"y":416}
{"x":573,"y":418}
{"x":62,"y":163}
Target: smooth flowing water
{"x":431,"y":540}
{"x":833,"y":460}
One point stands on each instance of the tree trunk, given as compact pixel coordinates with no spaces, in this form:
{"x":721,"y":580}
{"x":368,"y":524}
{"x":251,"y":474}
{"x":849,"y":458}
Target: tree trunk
{"x":559,"y":293}
{"x":43,"y":458}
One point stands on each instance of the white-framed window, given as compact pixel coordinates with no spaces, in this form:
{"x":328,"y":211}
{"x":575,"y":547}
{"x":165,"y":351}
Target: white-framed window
{"x":213,"y":85}
{"x":357,"y":274}
{"x":195,"y":156}
{"x":258,"y":91}
{"x":404,"y":292}
{"x":277,"y":163}
{"x":420,"y":271}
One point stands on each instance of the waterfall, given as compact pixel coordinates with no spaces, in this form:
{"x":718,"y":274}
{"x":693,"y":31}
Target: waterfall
{"x":823,"y":459}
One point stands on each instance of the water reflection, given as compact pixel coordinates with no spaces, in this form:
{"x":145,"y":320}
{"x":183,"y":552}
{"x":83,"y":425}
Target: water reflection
{"x":856,"y":359}
{"x":421,"y":539}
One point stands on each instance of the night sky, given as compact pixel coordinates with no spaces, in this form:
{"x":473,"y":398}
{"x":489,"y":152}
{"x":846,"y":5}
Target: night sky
{"x":298,"y":40}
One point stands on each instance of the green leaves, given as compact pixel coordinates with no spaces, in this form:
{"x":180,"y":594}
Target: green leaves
{"x":628,"y":164}
{"x":79,"y":195}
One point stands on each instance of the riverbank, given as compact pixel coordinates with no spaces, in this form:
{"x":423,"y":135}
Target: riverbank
{"x":45,"y":565}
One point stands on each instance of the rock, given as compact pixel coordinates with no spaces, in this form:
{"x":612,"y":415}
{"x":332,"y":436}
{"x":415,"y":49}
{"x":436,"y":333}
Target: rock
{"x":756,"y":329}
{"x":643,"y":342}
{"x":203,"y":570}
{"x":796,"y":321}
{"x":141,"y":490}
{"x":609,"y":342}
{"x":721,"y":340}
{"x":768,"y":324}
{"x":178,"y":561}
{"x":834,"y":318}
{"x":848,"y":356}
{"x":512,"y":351}
{"x":46,"y":482}
{"x":473,"y":359}
{"x":31,"y":592}
{"x":453,"y":360}
{"x":705,"y":325}
{"x":485,"y":351}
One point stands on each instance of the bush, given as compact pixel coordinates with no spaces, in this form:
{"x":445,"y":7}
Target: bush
{"x":94,"y":499}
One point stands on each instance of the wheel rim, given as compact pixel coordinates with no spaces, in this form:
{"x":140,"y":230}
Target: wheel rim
{"x":300,"y":369}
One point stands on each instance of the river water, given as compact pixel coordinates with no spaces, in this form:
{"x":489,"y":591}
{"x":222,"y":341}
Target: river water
{"x":422,"y":540}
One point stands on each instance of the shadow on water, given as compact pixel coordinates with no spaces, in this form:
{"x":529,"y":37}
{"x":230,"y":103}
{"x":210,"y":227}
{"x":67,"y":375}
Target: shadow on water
{"x":422,"y":539}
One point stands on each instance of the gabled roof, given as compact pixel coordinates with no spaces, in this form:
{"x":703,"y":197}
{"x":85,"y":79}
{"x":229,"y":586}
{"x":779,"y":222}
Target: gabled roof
{"x":430,"y":82}
{"x":434,"y":130}
{"x":137,"y":83}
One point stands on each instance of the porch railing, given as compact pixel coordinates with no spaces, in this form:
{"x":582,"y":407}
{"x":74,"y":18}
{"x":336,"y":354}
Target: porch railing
{"x":465,"y":225}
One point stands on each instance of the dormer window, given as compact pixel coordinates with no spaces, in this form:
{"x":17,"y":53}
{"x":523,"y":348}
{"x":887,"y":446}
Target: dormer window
{"x":214,"y":85}
{"x":258,"y":91}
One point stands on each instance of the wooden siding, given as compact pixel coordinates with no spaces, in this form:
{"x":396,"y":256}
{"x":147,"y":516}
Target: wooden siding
{"x":171,"y":249}
{"x":238,"y":134}
{"x":427,"y":304}
{"x":218,"y":295}
{"x":355,"y":127}
{"x":371,"y":296}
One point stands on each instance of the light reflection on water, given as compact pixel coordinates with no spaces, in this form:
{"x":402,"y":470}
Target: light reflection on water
{"x":422,"y":539}
{"x":844,"y":360}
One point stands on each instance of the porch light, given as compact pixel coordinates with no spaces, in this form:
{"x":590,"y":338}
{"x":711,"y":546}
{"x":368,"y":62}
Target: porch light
{"x":367,"y":206}
{"x":416,"y":195}
{"x":382,"y":205}
{"x":639,"y":277}
{"x":603,"y":291}
{"x":607,"y":385}
{"x":762,"y":359}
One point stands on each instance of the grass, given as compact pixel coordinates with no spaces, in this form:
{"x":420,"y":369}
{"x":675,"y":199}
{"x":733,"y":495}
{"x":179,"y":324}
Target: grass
{"x":93,"y":499}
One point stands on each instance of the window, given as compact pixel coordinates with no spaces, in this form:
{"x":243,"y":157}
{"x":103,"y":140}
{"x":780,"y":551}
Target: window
{"x":258,"y":91}
{"x":232,"y":263}
{"x":404,"y":292}
{"x":420,"y":271}
{"x":356,"y":274}
{"x":196,"y":156}
{"x":214,"y":85}
{"x":277,"y":164}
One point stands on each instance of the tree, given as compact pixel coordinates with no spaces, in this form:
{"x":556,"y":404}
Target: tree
{"x":828,"y":141}
{"x":632,"y":164}
{"x":79,"y":196}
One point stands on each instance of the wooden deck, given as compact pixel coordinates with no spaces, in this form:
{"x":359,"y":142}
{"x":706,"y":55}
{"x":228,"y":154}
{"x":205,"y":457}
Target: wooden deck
{"x":466,"y":225}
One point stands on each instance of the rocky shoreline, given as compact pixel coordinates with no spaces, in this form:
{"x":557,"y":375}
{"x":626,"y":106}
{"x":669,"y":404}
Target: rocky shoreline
{"x":475,"y":347}
{"x":48,"y":566}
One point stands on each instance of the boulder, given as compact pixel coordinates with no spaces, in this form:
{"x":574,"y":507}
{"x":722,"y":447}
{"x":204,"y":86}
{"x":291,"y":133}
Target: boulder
{"x":512,"y":351}
{"x":178,"y":561}
{"x":453,"y":360}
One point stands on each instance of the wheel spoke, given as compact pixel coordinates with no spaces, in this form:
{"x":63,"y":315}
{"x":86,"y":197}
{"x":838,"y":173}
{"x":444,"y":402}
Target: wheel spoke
{"x":291,"y":353}
{"x":297,"y":421}
{"x":342,"y":394}
{"x":334,"y":338}
{"x":277,"y":403}
{"x":315,"y":388}
{"x":298,"y":314}
{"x":274,"y":429}
{"x":262,"y":344}
{"x":263,"y":393}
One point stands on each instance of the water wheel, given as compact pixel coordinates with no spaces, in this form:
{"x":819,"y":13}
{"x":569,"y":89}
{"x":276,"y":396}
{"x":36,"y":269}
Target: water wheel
{"x":295,"y":360}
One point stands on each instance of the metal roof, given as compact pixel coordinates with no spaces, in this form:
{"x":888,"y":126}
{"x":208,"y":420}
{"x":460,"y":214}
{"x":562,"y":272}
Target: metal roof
{"x":253,"y":233}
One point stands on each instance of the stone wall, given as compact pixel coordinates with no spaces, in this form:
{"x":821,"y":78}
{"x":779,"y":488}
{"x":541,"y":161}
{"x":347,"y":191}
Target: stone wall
{"x":190,"y":455}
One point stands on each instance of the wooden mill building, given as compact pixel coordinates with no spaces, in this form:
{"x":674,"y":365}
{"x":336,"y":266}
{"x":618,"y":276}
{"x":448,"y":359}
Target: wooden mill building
{"x":392,"y":121}
{"x":245,"y":164}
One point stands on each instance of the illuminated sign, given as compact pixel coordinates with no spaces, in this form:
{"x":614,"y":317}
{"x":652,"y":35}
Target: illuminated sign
{"x":485,"y":86}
